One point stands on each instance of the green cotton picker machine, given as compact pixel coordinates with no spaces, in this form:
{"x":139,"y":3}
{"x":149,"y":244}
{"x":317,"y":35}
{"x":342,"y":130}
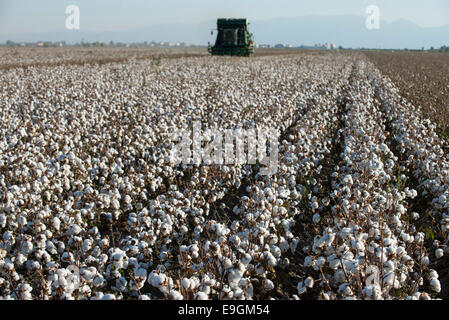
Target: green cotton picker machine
{"x":233,"y":38}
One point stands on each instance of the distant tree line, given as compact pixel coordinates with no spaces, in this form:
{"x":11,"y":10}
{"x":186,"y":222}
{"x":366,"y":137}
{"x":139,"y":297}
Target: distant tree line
{"x":159,"y":44}
{"x":442,"y":49}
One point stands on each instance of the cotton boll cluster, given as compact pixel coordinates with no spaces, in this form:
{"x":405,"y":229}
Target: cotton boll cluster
{"x":428,"y":162}
{"x":359,"y":235}
{"x":91,"y":208}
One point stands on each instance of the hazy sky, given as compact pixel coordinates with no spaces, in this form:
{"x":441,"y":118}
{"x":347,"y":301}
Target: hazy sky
{"x":21,"y":16}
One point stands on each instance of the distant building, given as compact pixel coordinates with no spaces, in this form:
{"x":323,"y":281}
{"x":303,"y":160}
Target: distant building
{"x":326,"y":46}
{"x":283,"y":46}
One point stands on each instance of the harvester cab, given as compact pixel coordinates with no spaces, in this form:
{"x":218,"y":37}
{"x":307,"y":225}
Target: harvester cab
{"x":233,"y":38}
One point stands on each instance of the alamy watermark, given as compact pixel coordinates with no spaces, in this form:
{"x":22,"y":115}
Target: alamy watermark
{"x":226,"y":147}
{"x":72,"y":21}
{"x":373,"y":20}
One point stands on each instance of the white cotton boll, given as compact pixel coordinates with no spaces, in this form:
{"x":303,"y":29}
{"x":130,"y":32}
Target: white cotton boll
{"x":99,"y":281}
{"x":183,"y":229}
{"x":33,"y":265}
{"x":201,"y":296}
{"x":301,"y":288}
{"x":227,"y":264}
{"x":249,"y":292}
{"x":294,"y":243}
{"x":238,"y":293}
{"x":435,"y":285}
{"x":25,"y":291}
{"x":74,"y":230}
{"x":98,"y":296}
{"x":406,"y":237}
{"x":175,"y":295}
{"x":308,"y":261}
{"x":27,"y":247}
{"x":415,"y":216}
{"x":321,"y":262}
{"x":273,"y":239}
{"x":368,"y":291}
{"x":87,"y":274}
{"x":334,"y":263}
{"x":268,"y":284}
{"x":2,"y":220}
{"x":156,"y":280}
{"x":374,"y":232}
{"x":419,"y":237}
{"x":347,"y":291}
{"x":421,"y":281}
{"x":117,"y":259}
{"x":400,"y":251}
{"x":316,"y":218}
{"x":397,"y":221}
{"x":206,"y":289}
{"x":121,"y":284}
{"x":339,"y":276}
{"x":433,"y":274}
{"x":347,"y":180}
{"x":185,"y":282}
{"x":413,"y":193}
{"x":127,"y":199}
{"x":413,"y":297}
{"x":346,"y":233}
{"x":140,"y":273}
{"x":439,"y":253}
{"x":234,"y":278}
{"x":23,"y":132}
{"x":87,"y":245}
{"x":402,"y":277}
{"x":213,"y":283}
{"x":309,"y":282}
{"x":389,"y":278}
{"x":115,"y":204}
{"x":270,"y":259}
{"x":194,"y":282}
{"x":401,"y":209}
{"x":406,"y":259}
{"x":56,"y":223}
{"x":20,"y":260}
{"x":62,"y":281}
{"x":358,"y":245}
{"x":389,"y":265}
{"x":396,"y":284}
{"x":246,"y":259}
{"x":22,"y":221}
{"x":283,"y":244}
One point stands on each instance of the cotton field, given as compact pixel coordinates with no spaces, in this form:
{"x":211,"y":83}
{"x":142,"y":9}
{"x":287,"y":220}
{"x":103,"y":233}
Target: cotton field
{"x":91,"y":207}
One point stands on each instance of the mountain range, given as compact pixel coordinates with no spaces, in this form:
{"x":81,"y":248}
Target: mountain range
{"x":348,"y":31}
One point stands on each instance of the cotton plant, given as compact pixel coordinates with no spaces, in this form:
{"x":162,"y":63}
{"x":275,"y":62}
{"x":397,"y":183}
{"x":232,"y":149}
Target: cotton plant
{"x":92,"y":207}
